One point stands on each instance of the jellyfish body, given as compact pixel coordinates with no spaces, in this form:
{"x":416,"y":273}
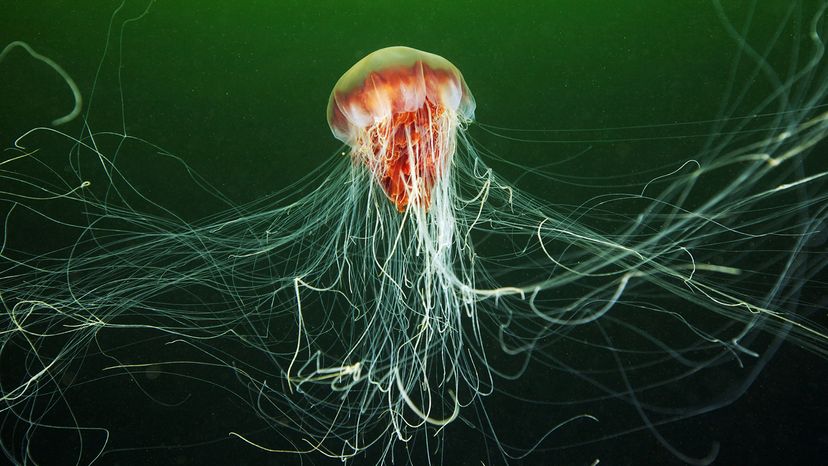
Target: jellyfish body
{"x":398,"y":109}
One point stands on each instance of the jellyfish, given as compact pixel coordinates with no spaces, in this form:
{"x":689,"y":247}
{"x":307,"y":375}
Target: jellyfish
{"x":400,"y":109}
{"x":405,"y":293}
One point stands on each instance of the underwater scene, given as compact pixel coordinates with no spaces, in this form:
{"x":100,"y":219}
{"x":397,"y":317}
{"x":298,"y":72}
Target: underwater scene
{"x":427,"y":233}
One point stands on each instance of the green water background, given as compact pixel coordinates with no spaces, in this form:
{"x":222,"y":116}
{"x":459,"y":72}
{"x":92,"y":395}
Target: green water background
{"x":238,"y":90}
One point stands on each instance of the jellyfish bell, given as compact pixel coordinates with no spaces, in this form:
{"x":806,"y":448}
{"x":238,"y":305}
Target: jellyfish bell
{"x":399,"y":109}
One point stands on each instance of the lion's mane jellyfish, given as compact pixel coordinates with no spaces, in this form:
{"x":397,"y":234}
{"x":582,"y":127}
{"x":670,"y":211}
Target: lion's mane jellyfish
{"x":395,"y":298}
{"x":399,"y":109}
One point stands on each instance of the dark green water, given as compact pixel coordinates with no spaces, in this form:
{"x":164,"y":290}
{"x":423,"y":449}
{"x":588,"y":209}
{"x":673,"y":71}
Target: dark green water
{"x":238,"y":90}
